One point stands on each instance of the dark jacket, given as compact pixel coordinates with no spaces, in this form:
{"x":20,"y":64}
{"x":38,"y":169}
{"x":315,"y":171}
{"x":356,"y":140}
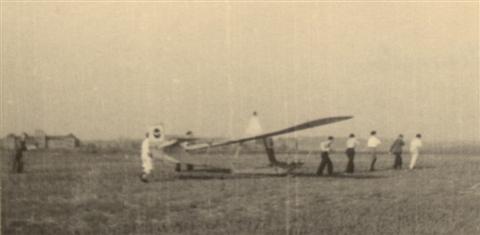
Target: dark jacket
{"x":20,"y":145}
{"x":397,"y":146}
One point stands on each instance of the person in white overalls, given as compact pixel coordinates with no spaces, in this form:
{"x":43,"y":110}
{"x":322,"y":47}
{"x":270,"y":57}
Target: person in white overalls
{"x":152,"y":147}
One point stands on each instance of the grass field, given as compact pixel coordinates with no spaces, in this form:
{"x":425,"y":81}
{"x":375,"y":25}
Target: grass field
{"x":80,"y":193}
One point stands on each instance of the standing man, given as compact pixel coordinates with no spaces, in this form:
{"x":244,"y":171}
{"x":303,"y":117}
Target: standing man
{"x":396,"y":149}
{"x":325,"y":148}
{"x":20,"y":148}
{"x":415,"y":146}
{"x":352,"y":142}
{"x":372,"y":144}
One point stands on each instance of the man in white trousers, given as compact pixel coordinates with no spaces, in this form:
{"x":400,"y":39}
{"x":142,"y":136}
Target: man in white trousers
{"x":372,"y":145}
{"x":152,"y":146}
{"x":415,"y":146}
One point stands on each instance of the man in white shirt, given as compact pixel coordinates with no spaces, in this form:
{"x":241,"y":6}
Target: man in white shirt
{"x":352,"y":142}
{"x":325,"y":148}
{"x":415,"y":146}
{"x":372,"y":145}
{"x":254,"y":127}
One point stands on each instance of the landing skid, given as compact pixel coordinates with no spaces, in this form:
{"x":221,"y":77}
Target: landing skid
{"x":275,"y":166}
{"x":189,"y":167}
{"x":273,"y":170}
{"x":280,"y":168}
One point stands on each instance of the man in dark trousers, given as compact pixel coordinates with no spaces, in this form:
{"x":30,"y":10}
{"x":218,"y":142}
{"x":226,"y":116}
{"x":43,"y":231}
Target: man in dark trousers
{"x":352,"y":142}
{"x":20,"y":148}
{"x":269,"y":148}
{"x":325,"y":148}
{"x":396,"y":149}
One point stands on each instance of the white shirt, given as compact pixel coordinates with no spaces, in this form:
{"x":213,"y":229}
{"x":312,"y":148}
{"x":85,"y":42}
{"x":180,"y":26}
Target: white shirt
{"x":254,"y":127}
{"x":352,"y":143}
{"x":325,"y":146}
{"x":415,"y":144}
{"x":373,"y":142}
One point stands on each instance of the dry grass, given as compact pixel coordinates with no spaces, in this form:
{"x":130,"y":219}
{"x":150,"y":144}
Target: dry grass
{"x":79,"y":193}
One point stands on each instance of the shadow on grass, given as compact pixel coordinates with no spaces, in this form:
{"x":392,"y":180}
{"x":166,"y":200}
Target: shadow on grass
{"x":223,"y":176}
{"x":405,"y":168}
{"x":423,"y":167}
{"x":226,"y":174}
{"x":203,"y":175}
{"x":340,"y":176}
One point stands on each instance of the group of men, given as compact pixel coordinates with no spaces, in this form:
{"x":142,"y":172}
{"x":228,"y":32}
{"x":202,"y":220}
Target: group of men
{"x":372,"y":144}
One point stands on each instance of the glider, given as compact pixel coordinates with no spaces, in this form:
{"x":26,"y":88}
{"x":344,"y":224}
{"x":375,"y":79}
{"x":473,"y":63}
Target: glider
{"x":178,"y":149}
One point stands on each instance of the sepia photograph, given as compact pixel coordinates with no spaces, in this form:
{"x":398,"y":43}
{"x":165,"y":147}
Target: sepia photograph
{"x":239,"y":117}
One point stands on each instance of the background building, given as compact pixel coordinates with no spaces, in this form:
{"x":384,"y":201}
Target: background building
{"x":40,"y":140}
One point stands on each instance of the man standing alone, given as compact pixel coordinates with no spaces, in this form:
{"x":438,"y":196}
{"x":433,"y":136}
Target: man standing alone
{"x":20,"y":148}
{"x":396,"y":149}
{"x":325,"y":148}
{"x":352,"y":142}
{"x":415,"y":146}
{"x":372,"y":144}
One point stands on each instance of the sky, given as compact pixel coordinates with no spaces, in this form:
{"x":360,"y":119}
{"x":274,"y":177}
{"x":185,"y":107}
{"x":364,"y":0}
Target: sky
{"x":106,"y":70}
